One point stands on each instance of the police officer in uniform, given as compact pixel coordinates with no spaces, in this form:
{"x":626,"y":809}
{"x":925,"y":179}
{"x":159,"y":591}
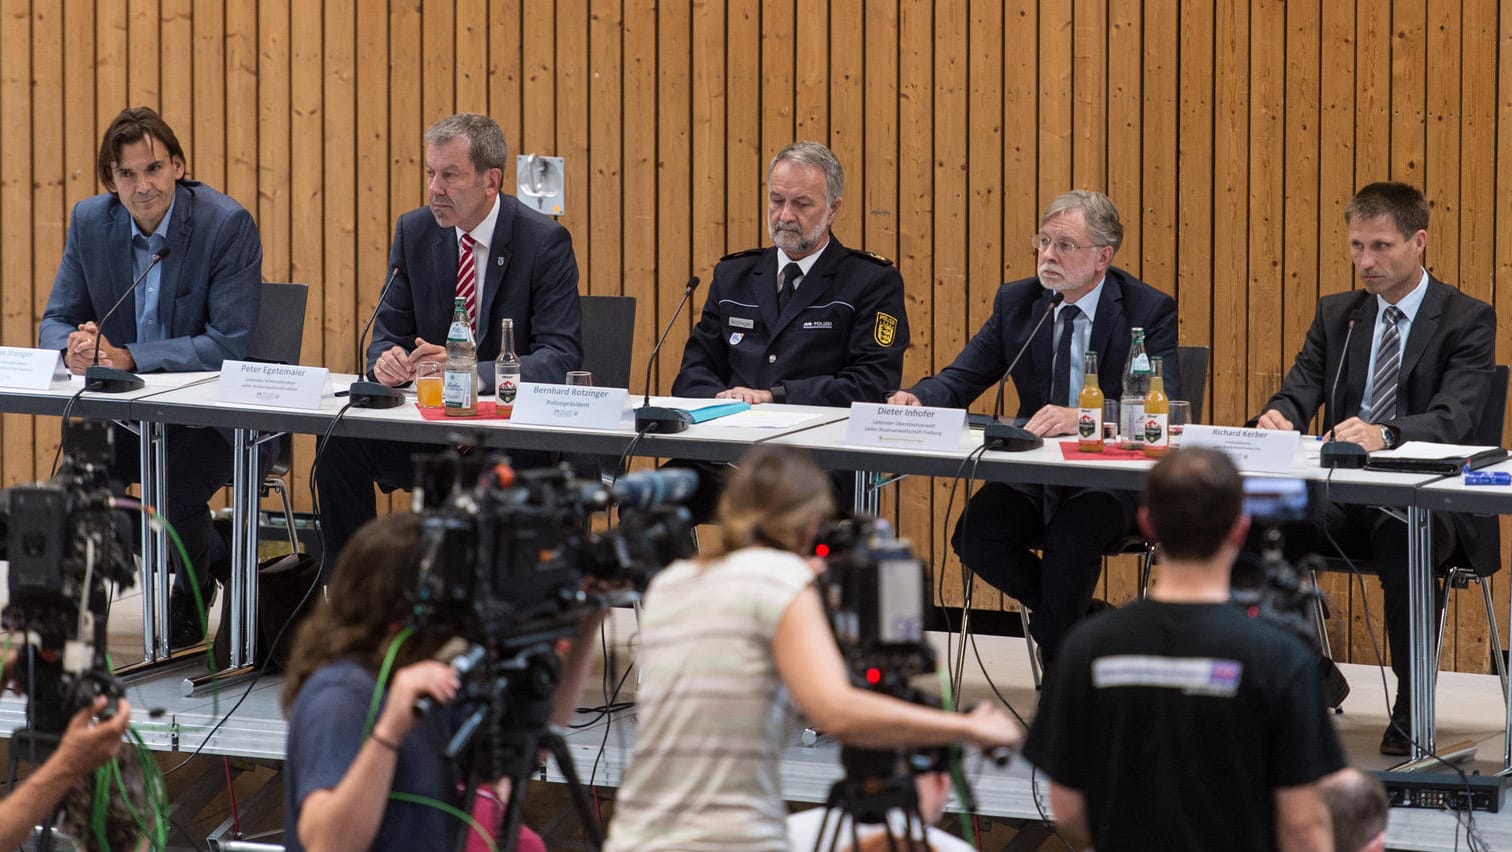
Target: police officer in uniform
{"x":807,"y":321}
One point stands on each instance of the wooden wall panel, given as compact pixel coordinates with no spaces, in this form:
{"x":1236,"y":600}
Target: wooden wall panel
{"x":1230,"y":134}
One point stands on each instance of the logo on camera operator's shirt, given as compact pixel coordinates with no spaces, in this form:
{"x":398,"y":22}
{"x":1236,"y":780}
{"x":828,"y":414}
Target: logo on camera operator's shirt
{"x":1189,"y":675}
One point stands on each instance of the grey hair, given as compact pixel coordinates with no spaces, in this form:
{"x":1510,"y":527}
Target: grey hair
{"x":485,"y":141}
{"x":1096,"y":208}
{"x":819,"y":156}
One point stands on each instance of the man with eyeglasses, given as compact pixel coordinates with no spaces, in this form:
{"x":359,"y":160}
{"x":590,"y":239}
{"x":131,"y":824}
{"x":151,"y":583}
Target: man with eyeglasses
{"x":1003,"y":524}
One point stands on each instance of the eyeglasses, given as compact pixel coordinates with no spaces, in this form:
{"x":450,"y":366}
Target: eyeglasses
{"x":1040,"y":242}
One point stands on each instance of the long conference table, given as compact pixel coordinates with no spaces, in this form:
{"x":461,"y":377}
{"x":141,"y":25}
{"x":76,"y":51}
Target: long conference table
{"x":192,"y":399}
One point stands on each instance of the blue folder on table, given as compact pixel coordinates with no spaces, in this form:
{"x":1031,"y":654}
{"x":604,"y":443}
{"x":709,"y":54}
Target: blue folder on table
{"x":714,"y":412}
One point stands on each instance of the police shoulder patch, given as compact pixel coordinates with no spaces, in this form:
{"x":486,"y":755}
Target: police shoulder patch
{"x":872,"y":256}
{"x":746,"y":253}
{"x":885,"y":331}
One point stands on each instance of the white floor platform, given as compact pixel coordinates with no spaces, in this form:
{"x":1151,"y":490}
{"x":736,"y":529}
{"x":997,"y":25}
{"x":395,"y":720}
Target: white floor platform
{"x":1470,"y":708}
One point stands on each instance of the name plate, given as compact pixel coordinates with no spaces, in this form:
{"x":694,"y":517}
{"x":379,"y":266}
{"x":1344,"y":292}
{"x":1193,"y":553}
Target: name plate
{"x":909,"y":427}
{"x":569,"y":405}
{"x":286,"y":385}
{"x":30,"y":369}
{"x":1262,"y":450}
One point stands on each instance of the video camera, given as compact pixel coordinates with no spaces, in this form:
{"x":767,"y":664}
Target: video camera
{"x":504,"y":553}
{"x":873,"y":592}
{"x":66,"y":541}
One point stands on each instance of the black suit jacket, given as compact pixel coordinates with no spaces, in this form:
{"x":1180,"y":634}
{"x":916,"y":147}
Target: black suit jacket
{"x":839,"y":340}
{"x":1126,"y":303}
{"x":1446,"y":373}
{"x":532,"y":278}
{"x":1446,"y":365}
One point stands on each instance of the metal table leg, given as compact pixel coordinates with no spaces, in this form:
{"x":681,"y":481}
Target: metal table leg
{"x":241,"y":597}
{"x":155,"y":572}
{"x":1420,"y":627}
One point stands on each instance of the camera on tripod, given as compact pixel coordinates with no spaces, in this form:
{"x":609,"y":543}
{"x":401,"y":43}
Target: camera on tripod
{"x":873,"y":592}
{"x":66,"y":542}
{"x":504,"y":553}
{"x":507,"y":559}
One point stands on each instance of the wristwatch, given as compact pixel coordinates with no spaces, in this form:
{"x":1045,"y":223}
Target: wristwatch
{"x":1388,"y":437}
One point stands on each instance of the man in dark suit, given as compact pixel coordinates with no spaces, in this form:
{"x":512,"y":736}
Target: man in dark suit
{"x":807,"y":321}
{"x":1418,"y":368}
{"x":1003,"y":524}
{"x":193,"y":310}
{"x":516,"y":263}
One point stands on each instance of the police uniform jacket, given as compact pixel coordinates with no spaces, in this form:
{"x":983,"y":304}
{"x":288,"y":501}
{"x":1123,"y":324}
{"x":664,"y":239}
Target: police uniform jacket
{"x":839,"y":340}
{"x":1125,"y":303}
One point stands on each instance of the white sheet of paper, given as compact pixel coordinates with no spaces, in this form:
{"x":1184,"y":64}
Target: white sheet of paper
{"x":582,"y":406}
{"x":911,"y":427}
{"x":286,"y":385}
{"x":1261,"y":450}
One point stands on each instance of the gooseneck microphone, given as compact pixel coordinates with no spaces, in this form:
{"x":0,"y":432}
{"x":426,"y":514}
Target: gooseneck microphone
{"x":999,"y":435}
{"x":657,"y":419}
{"x":363,"y":393}
{"x":1336,"y":453}
{"x":112,"y":379}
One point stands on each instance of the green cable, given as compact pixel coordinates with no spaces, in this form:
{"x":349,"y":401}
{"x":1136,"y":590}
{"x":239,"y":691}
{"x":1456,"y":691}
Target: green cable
{"x":100,"y":804}
{"x":957,"y":772}
{"x":451,"y":810}
{"x":367,"y":731}
{"x":383,"y":675}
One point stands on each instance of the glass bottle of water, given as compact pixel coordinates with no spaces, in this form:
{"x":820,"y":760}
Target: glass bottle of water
{"x":1136,"y":383}
{"x":506,"y":370}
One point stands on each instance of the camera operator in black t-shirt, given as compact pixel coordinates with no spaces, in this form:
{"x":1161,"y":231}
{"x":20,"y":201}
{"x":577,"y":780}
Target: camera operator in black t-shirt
{"x":1180,"y":721}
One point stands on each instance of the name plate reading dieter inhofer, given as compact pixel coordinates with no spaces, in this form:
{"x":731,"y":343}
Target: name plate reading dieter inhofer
{"x":905,"y":427}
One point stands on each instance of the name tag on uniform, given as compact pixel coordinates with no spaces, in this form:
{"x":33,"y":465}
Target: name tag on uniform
{"x":742,"y":322}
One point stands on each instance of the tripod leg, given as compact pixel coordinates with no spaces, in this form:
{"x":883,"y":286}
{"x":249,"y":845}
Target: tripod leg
{"x":554,"y":743}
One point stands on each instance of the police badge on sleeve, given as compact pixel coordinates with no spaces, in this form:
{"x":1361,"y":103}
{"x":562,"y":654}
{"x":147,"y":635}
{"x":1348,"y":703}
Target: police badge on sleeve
{"x":885,"y":330}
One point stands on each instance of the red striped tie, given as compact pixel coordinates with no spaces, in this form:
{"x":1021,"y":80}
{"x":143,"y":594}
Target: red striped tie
{"x":467,"y":279}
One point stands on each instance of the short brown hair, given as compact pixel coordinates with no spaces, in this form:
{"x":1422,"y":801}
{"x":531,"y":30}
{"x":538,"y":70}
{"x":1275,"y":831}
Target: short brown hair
{"x":485,"y":141}
{"x":132,"y":125}
{"x":1403,"y":203}
{"x":1193,"y":497}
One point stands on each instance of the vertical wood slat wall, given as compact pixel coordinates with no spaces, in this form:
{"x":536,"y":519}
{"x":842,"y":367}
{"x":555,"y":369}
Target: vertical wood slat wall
{"x":1230,"y":135}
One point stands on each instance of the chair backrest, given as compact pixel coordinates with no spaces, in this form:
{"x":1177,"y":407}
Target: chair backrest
{"x":279,"y":335}
{"x":608,"y":337}
{"x":1193,"y":361}
{"x":1489,"y":430}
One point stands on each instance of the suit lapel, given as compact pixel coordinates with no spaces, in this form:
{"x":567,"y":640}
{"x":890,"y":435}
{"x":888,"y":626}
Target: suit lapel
{"x":1110,"y":316}
{"x":499,"y":255}
{"x":1041,"y":344}
{"x":444,"y":271}
{"x":811,"y":288}
{"x":1424,"y":328}
{"x":118,"y":252}
{"x":764,"y":287}
{"x":180,"y":230}
{"x":1359,"y":361}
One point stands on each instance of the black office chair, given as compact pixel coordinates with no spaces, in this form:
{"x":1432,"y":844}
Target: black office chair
{"x":1459,"y":570}
{"x":608,"y":337}
{"x":279,"y":339}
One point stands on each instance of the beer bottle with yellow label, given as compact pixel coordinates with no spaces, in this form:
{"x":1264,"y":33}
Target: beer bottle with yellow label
{"x":1089,"y":409}
{"x":1157,"y":410}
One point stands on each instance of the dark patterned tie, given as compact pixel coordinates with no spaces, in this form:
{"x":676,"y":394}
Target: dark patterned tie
{"x":1060,"y":385}
{"x":1383,"y":389}
{"x":790,"y":275}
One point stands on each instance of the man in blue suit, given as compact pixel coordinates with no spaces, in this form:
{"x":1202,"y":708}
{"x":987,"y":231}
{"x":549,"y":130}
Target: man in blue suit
{"x":522,"y":267}
{"x":1004,"y":523}
{"x":193,"y":310}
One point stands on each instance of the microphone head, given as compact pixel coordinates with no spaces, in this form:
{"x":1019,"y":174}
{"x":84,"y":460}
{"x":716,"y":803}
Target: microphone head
{"x":692,"y":284}
{"x":163,"y":252}
{"x":1056,"y":297}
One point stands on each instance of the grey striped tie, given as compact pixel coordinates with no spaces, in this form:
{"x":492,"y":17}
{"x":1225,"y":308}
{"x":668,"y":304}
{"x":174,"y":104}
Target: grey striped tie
{"x":1388,"y":365}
